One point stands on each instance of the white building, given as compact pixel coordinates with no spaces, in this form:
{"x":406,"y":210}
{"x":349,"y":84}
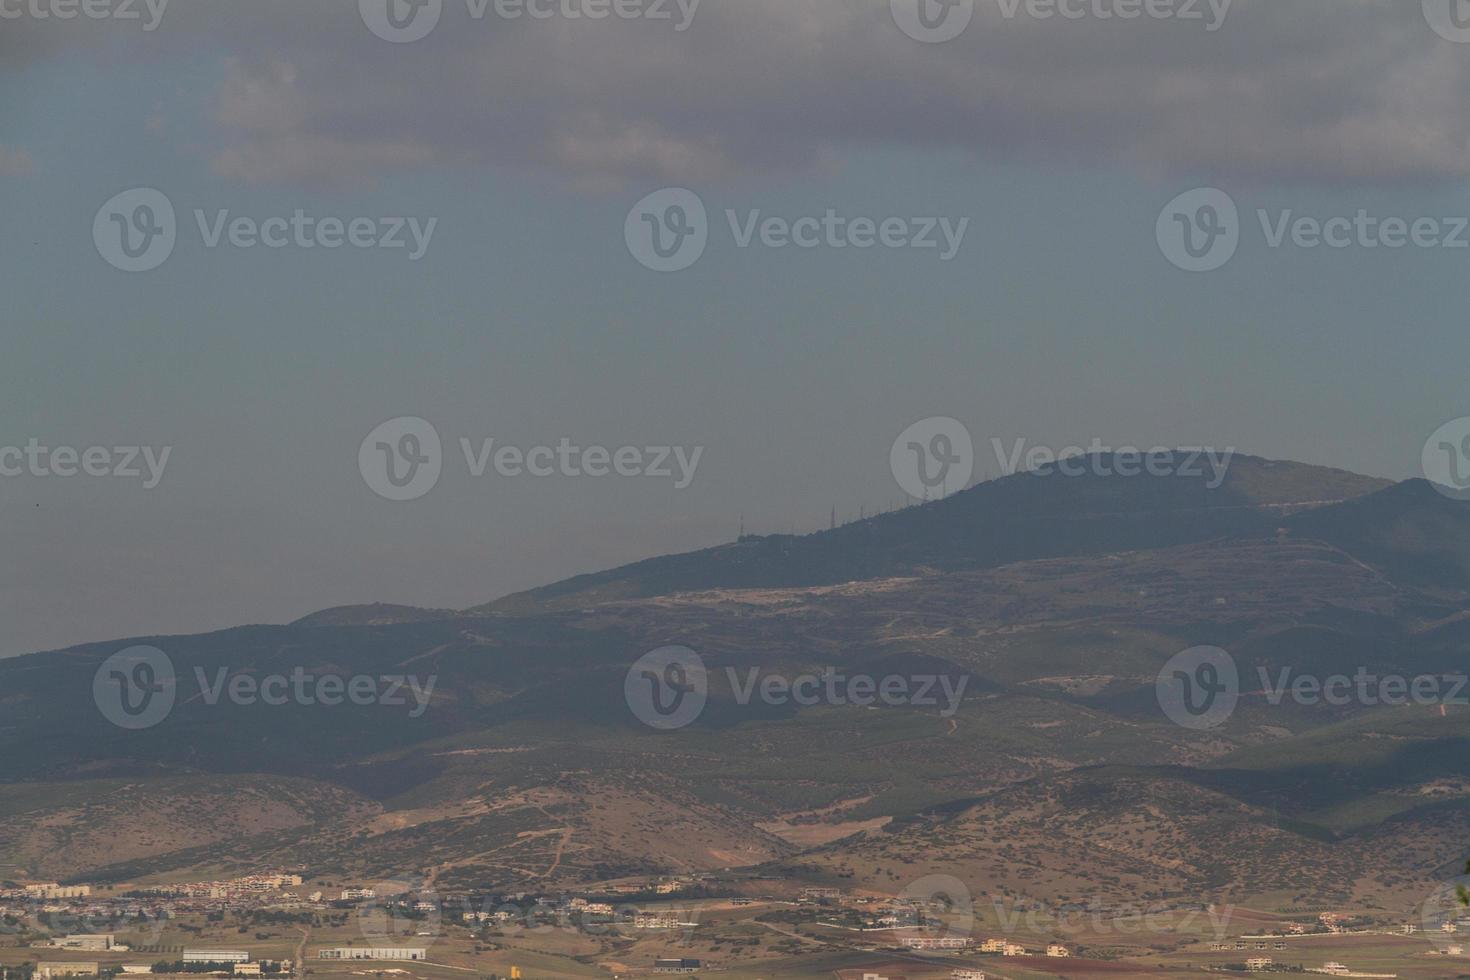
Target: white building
{"x":373,"y":953}
{"x":47,"y":970}
{"x":216,"y":956}
{"x":1258,"y":962}
{"x":351,"y":894}
{"x":967,"y":974}
{"x":88,"y":941}
{"x":1057,"y":949}
{"x":936,"y":942}
{"x":51,"y":889}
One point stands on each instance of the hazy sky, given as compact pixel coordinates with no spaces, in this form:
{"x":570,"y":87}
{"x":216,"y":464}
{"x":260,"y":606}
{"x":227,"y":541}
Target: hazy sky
{"x":527,"y":319}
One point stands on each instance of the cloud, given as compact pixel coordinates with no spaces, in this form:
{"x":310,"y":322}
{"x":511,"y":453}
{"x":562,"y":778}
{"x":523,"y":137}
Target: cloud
{"x":1321,"y":90}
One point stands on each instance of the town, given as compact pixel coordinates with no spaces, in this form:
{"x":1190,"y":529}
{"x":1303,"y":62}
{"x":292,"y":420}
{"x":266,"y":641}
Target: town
{"x":289,"y":925}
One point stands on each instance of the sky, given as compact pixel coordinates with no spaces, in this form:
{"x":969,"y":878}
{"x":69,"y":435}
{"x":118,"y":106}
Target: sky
{"x":523,"y":164}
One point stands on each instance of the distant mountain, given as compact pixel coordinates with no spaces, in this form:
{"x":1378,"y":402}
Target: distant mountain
{"x":1054,"y":599}
{"x":373,"y":614}
{"x":1410,"y":531}
{"x":1027,"y":516}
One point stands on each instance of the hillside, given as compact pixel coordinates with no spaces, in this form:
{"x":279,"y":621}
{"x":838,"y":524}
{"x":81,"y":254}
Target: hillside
{"x":1050,"y":601}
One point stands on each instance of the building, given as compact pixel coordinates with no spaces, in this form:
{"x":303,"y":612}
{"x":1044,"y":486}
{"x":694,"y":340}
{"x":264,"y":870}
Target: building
{"x":45,"y":971}
{"x":676,"y":966}
{"x":136,"y":968}
{"x":1057,"y":949}
{"x":1335,"y":968}
{"x":216,"y":956}
{"x":936,"y":942}
{"x":1258,"y":963}
{"x":658,"y":920}
{"x":1013,"y":949}
{"x":353,"y":894}
{"x":89,"y":941}
{"x":967,"y":974}
{"x":51,"y":889}
{"x":993,"y":946}
{"x":373,"y":953}
{"x":247,"y":969}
